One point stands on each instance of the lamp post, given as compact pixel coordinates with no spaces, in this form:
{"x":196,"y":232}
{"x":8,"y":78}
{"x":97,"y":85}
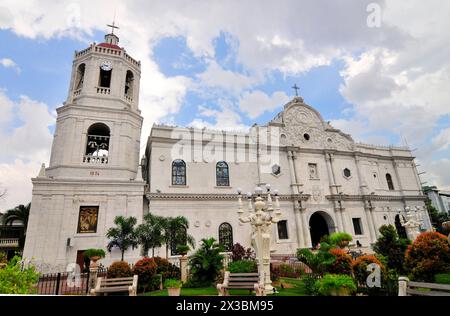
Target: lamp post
{"x":261,"y":215}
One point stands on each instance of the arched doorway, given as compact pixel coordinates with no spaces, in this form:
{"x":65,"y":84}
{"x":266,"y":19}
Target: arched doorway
{"x":401,"y":231}
{"x":320,"y":224}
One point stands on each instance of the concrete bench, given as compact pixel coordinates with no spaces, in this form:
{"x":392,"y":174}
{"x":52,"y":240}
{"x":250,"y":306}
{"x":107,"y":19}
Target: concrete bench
{"x":241,"y":281}
{"x":116,"y":285}
{"x":409,"y":288}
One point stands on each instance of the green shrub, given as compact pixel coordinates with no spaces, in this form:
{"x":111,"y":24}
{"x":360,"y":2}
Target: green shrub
{"x":443,"y":278}
{"x":172,"y":283}
{"x":340,"y":237}
{"x":318,"y":261}
{"x":94,"y":253}
{"x":145,"y":269}
{"x":183,"y":249}
{"x":119,"y":269}
{"x":15,"y":280}
{"x":390,"y":246}
{"x":3,"y":257}
{"x":308,"y":284}
{"x":206,"y":263}
{"x":333,"y":284}
{"x":290,"y":271}
{"x":243,"y":266}
{"x":427,"y":256}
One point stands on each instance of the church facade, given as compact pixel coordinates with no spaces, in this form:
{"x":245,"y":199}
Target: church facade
{"x":326,"y":182}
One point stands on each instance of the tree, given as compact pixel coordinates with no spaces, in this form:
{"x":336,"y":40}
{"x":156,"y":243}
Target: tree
{"x":20,"y":213}
{"x":175,"y":232}
{"x":150,"y":233}
{"x":206,"y":263}
{"x":123,"y":236}
{"x":391,"y":247}
{"x":436,"y":217}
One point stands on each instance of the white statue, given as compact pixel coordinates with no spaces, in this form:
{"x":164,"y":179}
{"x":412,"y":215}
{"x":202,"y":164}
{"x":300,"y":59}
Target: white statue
{"x":412,"y":224}
{"x":261,"y":220}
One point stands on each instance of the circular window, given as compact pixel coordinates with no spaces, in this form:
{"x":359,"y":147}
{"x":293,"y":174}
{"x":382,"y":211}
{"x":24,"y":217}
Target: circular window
{"x":347,"y":173}
{"x":329,"y":140}
{"x":306,"y":136}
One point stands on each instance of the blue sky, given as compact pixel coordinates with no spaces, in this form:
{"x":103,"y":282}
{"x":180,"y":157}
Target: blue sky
{"x":217,"y":66}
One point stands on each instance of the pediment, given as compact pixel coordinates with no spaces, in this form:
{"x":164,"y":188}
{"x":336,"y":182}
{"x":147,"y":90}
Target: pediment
{"x":303,"y":126}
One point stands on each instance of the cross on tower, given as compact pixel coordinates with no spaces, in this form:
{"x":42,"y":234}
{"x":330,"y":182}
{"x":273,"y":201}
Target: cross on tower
{"x":113,"y":26}
{"x":296,"y":89}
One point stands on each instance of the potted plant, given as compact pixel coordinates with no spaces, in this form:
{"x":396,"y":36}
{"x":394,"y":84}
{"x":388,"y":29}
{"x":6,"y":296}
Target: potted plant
{"x":183,"y":249}
{"x":336,"y":285}
{"x":341,"y":239}
{"x":94,"y":255}
{"x":173,"y":287}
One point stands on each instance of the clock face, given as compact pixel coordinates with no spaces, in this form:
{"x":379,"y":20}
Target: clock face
{"x":106,"y":66}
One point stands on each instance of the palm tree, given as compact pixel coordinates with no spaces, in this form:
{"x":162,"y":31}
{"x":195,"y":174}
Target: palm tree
{"x":175,"y":232}
{"x":123,"y":236}
{"x":206,"y":262}
{"x":20,"y":213}
{"x":150,"y":233}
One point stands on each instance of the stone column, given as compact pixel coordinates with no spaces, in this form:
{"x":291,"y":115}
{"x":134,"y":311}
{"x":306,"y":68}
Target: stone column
{"x":370,"y":222}
{"x":93,"y":272}
{"x":305,"y":225}
{"x":184,"y":268}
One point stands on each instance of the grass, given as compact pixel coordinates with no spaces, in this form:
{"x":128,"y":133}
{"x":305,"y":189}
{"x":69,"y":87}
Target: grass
{"x":295,"y":289}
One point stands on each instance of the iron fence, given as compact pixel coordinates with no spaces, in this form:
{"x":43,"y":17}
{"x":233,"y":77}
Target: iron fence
{"x":65,"y":283}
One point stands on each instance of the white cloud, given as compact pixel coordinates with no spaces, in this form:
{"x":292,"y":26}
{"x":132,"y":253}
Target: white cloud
{"x":9,"y":63}
{"x":256,"y":103}
{"x":26,"y":142}
{"x":442,"y":140}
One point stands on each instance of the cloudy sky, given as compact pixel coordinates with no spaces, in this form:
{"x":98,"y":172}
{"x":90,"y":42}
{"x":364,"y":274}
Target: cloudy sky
{"x":228,"y":64}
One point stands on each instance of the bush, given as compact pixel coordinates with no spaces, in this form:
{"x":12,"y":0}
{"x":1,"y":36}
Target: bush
{"x":360,"y":267}
{"x":119,"y":269}
{"x":166,"y":269}
{"x":15,"y":280}
{"x":172,"y":283}
{"x":339,"y":238}
{"x":335,"y":284}
{"x":308,"y":284}
{"x":428,"y":255}
{"x":318,"y":262}
{"x":391,"y":247}
{"x":342,"y":263}
{"x":443,"y":278}
{"x":238,"y":252}
{"x":242,"y":266}
{"x":145,"y":269}
{"x":206,"y":263}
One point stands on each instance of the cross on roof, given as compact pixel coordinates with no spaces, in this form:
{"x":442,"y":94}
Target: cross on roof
{"x":296,"y":88}
{"x":113,"y":26}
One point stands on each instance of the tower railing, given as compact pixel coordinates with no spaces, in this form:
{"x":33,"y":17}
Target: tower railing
{"x":99,"y":160}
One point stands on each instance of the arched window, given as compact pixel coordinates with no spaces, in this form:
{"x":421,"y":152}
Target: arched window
{"x":97,"y":146}
{"x":105,"y":78}
{"x":222,"y":174}
{"x":389,"y":182}
{"x":226,"y":236}
{"x":129,"y":82}
{"x":79,"y":78}
{"x":178,"y":172}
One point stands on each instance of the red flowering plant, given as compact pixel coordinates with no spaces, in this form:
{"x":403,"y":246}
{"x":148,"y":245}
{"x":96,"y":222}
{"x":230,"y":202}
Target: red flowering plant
{"x":360,"y":267}
{"x":428,"y":255}
{"x":146,"y":270}
{"x":342,"y":263}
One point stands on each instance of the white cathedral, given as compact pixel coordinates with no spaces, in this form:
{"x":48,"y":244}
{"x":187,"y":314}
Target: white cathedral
{"x":326,"y":182}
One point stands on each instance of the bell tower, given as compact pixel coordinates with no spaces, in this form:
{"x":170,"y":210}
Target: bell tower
{"x":94,"y":173}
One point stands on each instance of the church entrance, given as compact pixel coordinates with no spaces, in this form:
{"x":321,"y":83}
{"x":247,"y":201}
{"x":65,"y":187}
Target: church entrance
{"x":319,"y":226}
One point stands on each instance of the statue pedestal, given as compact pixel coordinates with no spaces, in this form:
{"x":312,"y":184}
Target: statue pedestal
{"x":183,"y":268}
{"x":93,"y":272}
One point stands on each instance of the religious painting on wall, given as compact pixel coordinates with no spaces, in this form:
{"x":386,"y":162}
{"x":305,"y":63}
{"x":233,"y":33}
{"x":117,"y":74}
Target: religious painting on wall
{"x":87,"y":221}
